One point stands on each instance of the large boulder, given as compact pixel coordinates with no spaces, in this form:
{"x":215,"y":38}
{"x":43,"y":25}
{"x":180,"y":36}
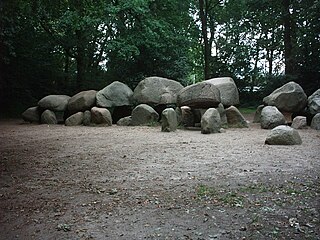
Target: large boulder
{"x":101,"y":116}
{"x":235,"y":118}
{"x":228,"y":90}
{"x":314,"y":102}
{"x":82,"y":101}
{"x":48,"y":117}
{"x":199,"y":95}
{"x":271,"y":117}
{"x":299,"y":122}
{"x":157,"y":90}
{"x":283,"y":135}
{"x":56,"y":103}
{"x":315,"y":123}
{"x":32,"y":114}
{"x":169,"y":121}
{"x":288,"y":98}
{"x":75,"y":119}
{"x":211,"y":121}
{"x":116,"y":94}
{"x":143,"y":114}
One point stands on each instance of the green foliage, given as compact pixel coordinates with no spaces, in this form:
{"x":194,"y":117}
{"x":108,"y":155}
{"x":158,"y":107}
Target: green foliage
{"x":160,"y":39}
{"x":62,"y":47}
{"x":247,"y":43}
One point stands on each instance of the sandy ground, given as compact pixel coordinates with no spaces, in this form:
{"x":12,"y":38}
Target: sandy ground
{"x":60,"y":182}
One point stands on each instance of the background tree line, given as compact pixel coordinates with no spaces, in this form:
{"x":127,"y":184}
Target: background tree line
{"x":64,"y":46}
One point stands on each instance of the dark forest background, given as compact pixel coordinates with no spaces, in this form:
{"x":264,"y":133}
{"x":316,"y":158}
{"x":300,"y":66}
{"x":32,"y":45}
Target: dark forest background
{"x":65,"y":46}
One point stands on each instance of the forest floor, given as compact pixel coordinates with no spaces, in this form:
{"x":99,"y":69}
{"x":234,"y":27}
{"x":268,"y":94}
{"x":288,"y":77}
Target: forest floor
{"x":60,"y":182}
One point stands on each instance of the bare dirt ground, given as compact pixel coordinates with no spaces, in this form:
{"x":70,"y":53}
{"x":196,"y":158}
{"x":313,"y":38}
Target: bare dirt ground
{"x":116,"y":182}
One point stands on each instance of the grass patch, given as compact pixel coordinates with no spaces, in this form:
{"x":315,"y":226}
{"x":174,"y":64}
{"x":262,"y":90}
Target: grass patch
{"x":257,"y":188}
{"x":230,"y":198}
{"x":153,"y":124}
{"x":265,"y":204}
{"x":204,"y":191}
{"x":259,"y":192}
{"x":247,"y":110}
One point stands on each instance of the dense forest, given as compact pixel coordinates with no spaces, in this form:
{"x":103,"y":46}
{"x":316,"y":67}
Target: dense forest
{"x":64,"y":46}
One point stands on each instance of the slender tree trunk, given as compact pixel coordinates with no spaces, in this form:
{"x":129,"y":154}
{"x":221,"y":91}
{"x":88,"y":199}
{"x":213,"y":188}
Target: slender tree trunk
{"x":204,"y":31}
{"x":81,"y":62}
{"x":211,"y":39}
{"x":255,"y":69}
{"x":66,"y":69}
{"x":288,"y":32}
{"x":270,"y":53}
{"x":80,"y":70}
{"x":270,"y":60}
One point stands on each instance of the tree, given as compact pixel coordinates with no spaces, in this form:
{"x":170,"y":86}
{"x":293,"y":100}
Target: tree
{"x":78,"y":29}
{"x":306,"y":45}
{"x":207,"y":15}
{"x":287,"y":39}
{"x":159,"y":36}
{"x":67,"y":46}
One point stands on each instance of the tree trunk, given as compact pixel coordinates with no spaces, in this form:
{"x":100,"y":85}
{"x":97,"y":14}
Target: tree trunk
{"x":66,"y":69}
{"x":81,"y":63}
{"x":288,"y":30}
{"x":270,"y":60}
{"x":80,"y":71}
{"x":270,"y":52}
{"x":204,"y":31}
{"x":255,"y":69}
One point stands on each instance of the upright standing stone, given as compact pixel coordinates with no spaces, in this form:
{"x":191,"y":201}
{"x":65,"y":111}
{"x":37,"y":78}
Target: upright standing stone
{"x":299,"y":122}
{"x":48,"y":117}
{"x":315,"y":123}
{"x":187,"y":117}
{"x":314,"y":102}
{"x":179,"y":115}
{"x":143,"y":114}
{"x":210,"y":121}
{"x":87,"y":118}
{"x":235,"y":118}
{"x":223,"y":115}
{"x":271,"y":117}
{"x":169,"y":120}
{"x":101,"y":116}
